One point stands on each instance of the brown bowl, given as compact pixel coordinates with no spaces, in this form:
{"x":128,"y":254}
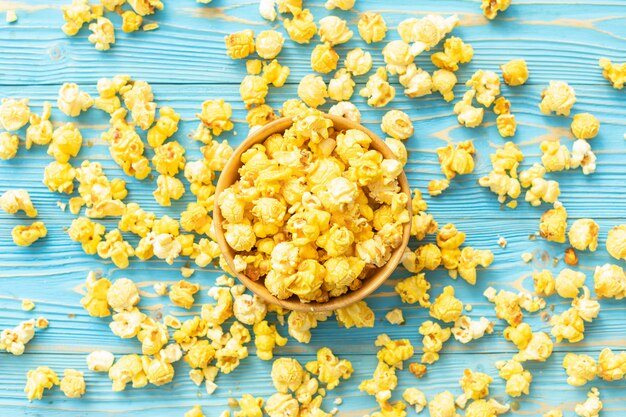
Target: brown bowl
{"x":230,"y":175}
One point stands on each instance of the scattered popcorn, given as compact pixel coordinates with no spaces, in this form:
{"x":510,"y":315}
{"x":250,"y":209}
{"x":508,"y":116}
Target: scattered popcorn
{"x":372,"y":27}
{"x":324,"y":58}
{"x":15,"y":340}
{"x":287,"y":375}
{"x":466,"y":329}
{"x":14,"y":114}
{"x":517,"y":378}
{"x":27,"y":235}
{"x":301,"y":28}
{"x":475,"y":385}
{"x":568,"y":325}
{"x":455,"y":52}
{"x":426,"y":33}
{"x":515,"y":72}
{"x":329,"y":369}
{"x":616,"y":242}
{"x":592,"y":406}
{"x":339,"y":4}
{"x":583,"y":156}
{"x":491,"y":8}
{"x":446,"y":307}
{"x":347,"y":110}
{"x":240,"y":44}
{"x":358,"y":62}
{"x":580,"y":369}
{"x":442,"y":405}
{"x":468,"y":115}
{"x":72,"y":101}
{"x":443,"y":81}
{"x":103,"y":34}
{"x":416,"y":82}
{"x":357,"y":315}
{"x":397,"y":56}
{"x":269,"y":43}
{"x":116,"y":248}
{"x":73,"y":383}
{"x":436,"y":187}
{"x":585,"y":126}
{"x":397,"y":124}
{"x":377,"y":90}
{"x":38,"y":380}
{"x":13,"y":201}
{"x":196,"y":411}
{"x":553,"y":224}
{"x":544,"y":282}
{"x":457,"y":160}
{"x":395,"y":316}
{"x":486,"y":84}
{"x":610,"y":281}
{"x":434,"y":338}
{"x":553,"y":413}
{"x":40,"y":129}
{"x":131,"y":21}
{"x":9,"y":145}
{"x":382,"y":383}
{"x":614,"y":73}
{"x":611,"y":367}
{"x":100,"y":361}
{"x":569,"y":282}
{"x":414,"y":290}
{"x":415,"y":398}
{"x":334,"y":30}
{"x":559,"y":98}
{"x":312,"y":90}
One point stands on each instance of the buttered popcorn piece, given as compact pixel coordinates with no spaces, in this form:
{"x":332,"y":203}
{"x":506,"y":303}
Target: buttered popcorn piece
{"x":240,"y":44}
{"x":585,"y":126}
{"x":397,"y":124}
{"x":466,"y":329}
{"x":436,"y":187}
{"x":569,"y":282}
{"x":312,"y":90}
{"x":40,"y":129}
{"x":468,"y":115}
{"x":457,"y":160}
{"x":38,"y":380}
{"x":103,"y":34}
{"x":14,"y":114}
{"x":491,"y":8}
{"x":341,"y":87}
{"x":122,"y":295}
{"x":100,"y":361}
{"x":339,"y":4}
{"x":334,"y":30}
{"x":168,"y":188}
{"x":72,"y":101}
{"x":539,"y":189}
{"x":611,"y":366}
{"x":329,"y":368}
{"x":9,"y":145}
{"x":348,"y":110}
{"x":114,"y":247}
{"x":269,"y":43}
{"x":446,"y":307}
{"x":15,"y":340}
{"x":475,"y":385}
{"x":301,"y":323}
{"x":27,"y":235}
{"x":592,"y":405}
{"x":215,"y":115}
{"x":66,"y":142}
{"x":13,"y":201}
{"x":301,"y":27}
{"x":568,"y":325}
{"x":372,"y":27}
{"x":397,"y":55}
{"x":416,"y":82}
{"x":377,"y":90}
{"x":491,"y":407}
{"x":415,"y":398}
{"x":287,"y":375}
{"x":515,"y":72}
{"x":265,"y":338}
{"x":559,"y":98}
{"x":580,"y":369}
{"x":324,"y":58}
{"x":393,"y":352}
{"x":73,"y":383}
{"x":76,"y":15}
{"x":253,"y":90}
{"x":442,"y":405}
{"x":129,"y":369}
{"x":616,"y":242}
{"x":395,"y":316}
{"x":358,"y":62}
{"x":455,"y":52}
{"x":583,"y":234}
{"x":434,"y":338}
{"x":427,"y":32}
{"x":275,"y":74}
{"x":181,"y":293}
{"x":582,"y":156}
{"x":517,"y":378}
{"x":610,"y":281}
{"x":487,"y":86}
{"x":355,"y":315}
{"x":443,"y":81}
{"x":544,"y":282}
{"x":614,"y":73}
{"x":553,"y":224}
{"x":382,"y":383}
{"x":414,"y":290}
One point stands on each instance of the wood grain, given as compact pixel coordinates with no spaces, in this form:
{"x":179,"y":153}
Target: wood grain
{"x":185,"y":60}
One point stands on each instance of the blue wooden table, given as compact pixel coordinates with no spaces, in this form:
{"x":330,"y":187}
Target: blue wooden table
{"x":186,"y":63}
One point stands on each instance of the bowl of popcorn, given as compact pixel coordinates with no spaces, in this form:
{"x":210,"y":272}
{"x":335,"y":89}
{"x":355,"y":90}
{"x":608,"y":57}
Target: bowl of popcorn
{"x":312,"y":212}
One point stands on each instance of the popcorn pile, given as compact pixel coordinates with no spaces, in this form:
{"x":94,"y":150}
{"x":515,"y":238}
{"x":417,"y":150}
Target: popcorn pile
{"x":300,"y":215}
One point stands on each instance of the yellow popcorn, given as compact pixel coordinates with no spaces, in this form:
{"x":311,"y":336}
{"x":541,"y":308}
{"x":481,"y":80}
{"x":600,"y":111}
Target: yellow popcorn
{"x":553,"y":224}
{"x":145,"y":7}
{"x":455,"y":52}
{"x":301,"y":28}
{"x":254,"y":66}
{"x":616,"y":242}
{"x":301,"y":323}
{"x":127,"y":323}
{"x":200,"y":354}
{"x":393,"y":352}
{"x":95,"y":300}
{"x":397,"y":56}
{"x":585,"y":126}
{"x":426,"y":33}
{"x":265,"y":338}
{"x":614,"y":73}
{"x":15,"y":340}
{"x":569,"y":282}
{"x":553,"y":413}
{"x":506,"y":305}
{"x":282,"y":405}
{"x":515,"y":72}
{"x":559,"y":98}
{"x":415,"y":398}
{"x":165,"y":127}
{"x":275,"y":74}
{"x":136,"y":220}
{"x":72,"y":101}
{"x":592,"y":406}
{"x":396,"y":147}
{"x":128,"y":369}
{"x":27,"y":305}
{"x":329,"y":368}
{"x":446,"y":307}
{"x":397,"y":124}
{"x":216,"y":115}
{"x":108,"y":100}
{"x":487,"y":86}
{"x":568,"y":325}
{"x":40,"y":129}
{"x":334,"y":30}
{"x":341,"y":87}
{"x":88,"y":233}
{"x":269,"y":43}
{"x":13,"y":201}
{"x":475,"y":385}
{"x":466,"y":329}
{"x":468,"y":115}
{"x":339,"y":4}
{"x":416,"y":82}
{"x":169,"y":158}
{"x":555,"y":156}
{"x":358,"y":62}
{"x":260,"y":115}
{"x":73,"y":383}
{"x":324,"y":58}
{"x":506,"y":125}
{"x":9,"y":145}
{"x":482,"y":408}
{"x":443,"y":81}
{"x":76,"y":15}
{"x":457,"y":160}
{"x":491,"y":8}
{"x":442,"y":405}
{"x":434,"y":338}
{"x":539,"y":188}
{"x":116,"y":248}
{"x":382,"y":383}
{"x":38,"y":380}
{"x":544,"y":282}
{"x":449,"y":239}
{"x":14,"y":114}
{"x":131,"y":21}
{"x":586,"y":308}
{"x":611,"y":367}
{"x":152,"y":335}
{"x":610,"y":281}
{"x":253,"y":90}
{"x":240,"y":44}
{"x":533,"y":346}
{"x":126,"y":147}
{"x":27,"y":235}
{"x":196,"y":411}
{"x":168,"y":188}
{"x":100,"y":361}
{"x":425,"y":257}
{"x":580,"y":369}
{"x":377,"y":90}
{"x":66,"y":142}
{"x":287,"y":375}
{"x":583,"y":156}
{"x":103,"y":34}
{"x":583,"y":234}
{"x":470,"y":259}
{"x":249,"y":309}
{"x":181,"y":293}
{"x":249,"y":407}
{"x":138,"y":98}
{"x":122,"y":295}
{"x":372,"y":27}
{"x":355,"y":315}
{"x":414,"y":290}
{"x":312,"y":90}
{"x":517,"y":378}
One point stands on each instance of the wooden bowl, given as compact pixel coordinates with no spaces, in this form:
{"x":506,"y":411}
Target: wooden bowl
{"x":230,"y":175}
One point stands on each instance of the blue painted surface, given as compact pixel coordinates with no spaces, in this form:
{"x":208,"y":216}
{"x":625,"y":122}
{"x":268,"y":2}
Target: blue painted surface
{"x":186,"y":63}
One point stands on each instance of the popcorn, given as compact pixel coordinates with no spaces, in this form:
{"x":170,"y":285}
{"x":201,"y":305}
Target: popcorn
{"x":131,"y":21}
{"x":616,"y":242}
{"x":611,"y":367}
{"x":553,"y":224}
{"x":540,"y":189}
{"x":73,"y":383}
{"x":253,"y":90}
{"x":66,"y":142}
{"x":398,"y":149}
{"x":324,"y":58}
{"x":128,"y":369}
{"x":466,"y":329}
{"x":397,"y":124}
{"x":443,"y":81}
{"x":266,"y":337}
{"x":126,"y":147}
{"x":517,"y":378}
{"x":585,"y":126}
{"x":377,"y":90}
{"x":282,"y":405}
{"x":397,"y":56}
{"x":355,"y":315}
{"x":40,"y":129}
{"x":515,"y":72}
{"x":152,"y":335}
{"x":455,"y":52}
{"x":583,"y":156}
{"x":168,"y":188}
{"x":240,"y":44}
{"x":586,"y":308}
{"x":416,"y":82}
{"x":165,"y":127}
{"x":559,"y":98}
{"x":103,"y":34}
{"x":145,"y":7}
{"x":609,"y":281}
{"x":614,"y":73}
{"x":358,"y":62}
{"x":329,"y":368}
{"x":580,"y":369}
{"x":427,"y":32}
{"x":100,"y":361}
{"x":442,"y":405}
{"x":269,"y":43}
{"x":434,"y":338}
{"x":468,"y":115}
{"x":568,"y":283}
{"x":249,"y":309}
{"x":592,"y":406}
{"x":446,"y":307}
{"x":506,"y":125}
{"x":553,"y":413}
{"x":181,"y":293}
{"x":250,"y":406}
{"x":116,"y":248}
{"x":456,"y":160}
{"x":196,"y":411}
{"x":347,"y":110}
{"x":372,"y":27}
{"x":475,"y":385}
{"x":9,"y":145}
{"x":382,"y":383}
{"x":76,"y":15}
{"x":312,"y":90}
{"x":301,"y":28}
{"x":38,"y":380}
{"x":583,"y":234}
{"x":301,"y":323}
{"x":544,"y":282}
{"x":568,"y":325}
{"x":13,"y":201}
{"x":15,"y":340}
{"x":14,"y":114}
{"x":414,"y":290}
{"x":393,"y":352}
{"x":339,"y":4}
{"x":287,"y":375}
{"x":487,"y":86}
{"x":27,"y":235}
{"x":216,"y":115}
{"x":267,"y":9}
{"x":491,"y":8}
{"x":341,"y":87}
{"x":122,"y":295}
{"x":533,"y":346}
{"x":486,"y":408}
{"x":334,"y":30}
{"x":415,"y":398}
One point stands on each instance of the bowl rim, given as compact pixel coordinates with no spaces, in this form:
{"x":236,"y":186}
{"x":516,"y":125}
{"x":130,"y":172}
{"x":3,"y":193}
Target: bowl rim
{"x":370,"y":284}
